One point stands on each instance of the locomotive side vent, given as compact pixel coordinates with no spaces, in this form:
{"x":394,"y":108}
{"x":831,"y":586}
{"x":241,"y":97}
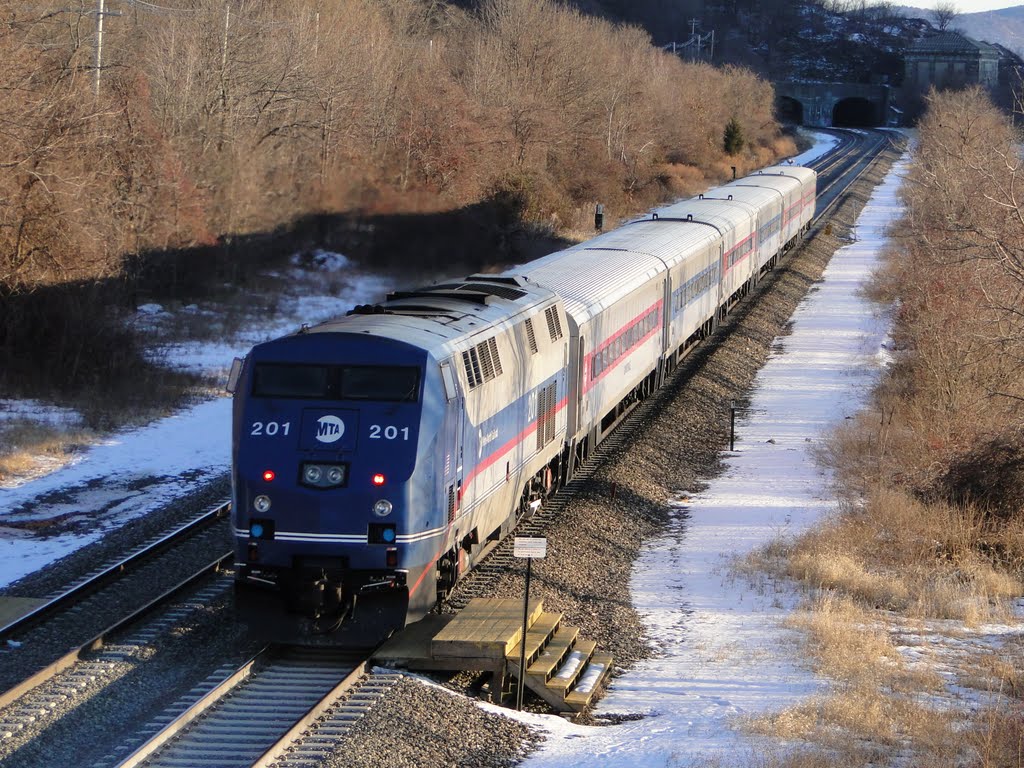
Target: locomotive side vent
{"x":484,"y":353}
{"x":472,"y":364}
{"x":554,"y":323}
{"x":547,"y":399}
{"x":482,"y":363}
{"x":531,"y":337}
{"x":492,"y":345}
{"x":542,"y":415}
{"x":549,"y":427}
{"x":451,"y":503}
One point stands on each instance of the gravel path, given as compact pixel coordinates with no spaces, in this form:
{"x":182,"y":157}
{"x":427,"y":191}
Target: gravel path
{"x":592,"y":546}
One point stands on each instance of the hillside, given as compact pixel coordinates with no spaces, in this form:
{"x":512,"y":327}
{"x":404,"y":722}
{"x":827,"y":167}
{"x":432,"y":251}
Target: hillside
{"x":1005,"y":26}
{"x":802,"y":40}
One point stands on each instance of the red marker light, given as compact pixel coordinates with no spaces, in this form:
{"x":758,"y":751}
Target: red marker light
{"x":268,"y":475}
{"x":378,"y":479}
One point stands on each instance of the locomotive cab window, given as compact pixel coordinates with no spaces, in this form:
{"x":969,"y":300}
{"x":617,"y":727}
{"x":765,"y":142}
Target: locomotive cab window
{"x":298,"y":381}
{"x":380,"y":383}
{"x":389,"y":383}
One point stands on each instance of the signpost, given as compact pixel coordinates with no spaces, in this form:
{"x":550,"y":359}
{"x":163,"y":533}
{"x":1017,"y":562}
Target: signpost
{"x":529,"y":548}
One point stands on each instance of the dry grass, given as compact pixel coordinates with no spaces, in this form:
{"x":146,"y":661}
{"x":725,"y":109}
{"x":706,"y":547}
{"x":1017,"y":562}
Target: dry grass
{"x":877,"y":706}
{"x":928,"y":541}
{"x":997,"y":738}
{"x":896,"y":553}
{"x":24,"y":442}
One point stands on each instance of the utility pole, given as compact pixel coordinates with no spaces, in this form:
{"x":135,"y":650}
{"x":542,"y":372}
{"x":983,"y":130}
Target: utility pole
{"x":101,"y":11}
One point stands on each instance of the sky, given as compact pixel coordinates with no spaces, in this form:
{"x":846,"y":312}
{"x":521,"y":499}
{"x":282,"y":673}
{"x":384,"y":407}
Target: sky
{"x":963,"y":6}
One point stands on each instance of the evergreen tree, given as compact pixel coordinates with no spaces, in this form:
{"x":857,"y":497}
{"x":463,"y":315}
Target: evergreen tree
{"x":733,"y":139}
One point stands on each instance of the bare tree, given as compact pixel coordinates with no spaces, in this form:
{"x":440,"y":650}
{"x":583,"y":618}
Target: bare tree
{"x":945,"y":12}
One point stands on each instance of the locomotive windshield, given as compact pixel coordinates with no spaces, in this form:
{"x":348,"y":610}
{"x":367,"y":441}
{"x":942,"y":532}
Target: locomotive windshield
{"x":291,"y":381}
{"x":379,"y":383}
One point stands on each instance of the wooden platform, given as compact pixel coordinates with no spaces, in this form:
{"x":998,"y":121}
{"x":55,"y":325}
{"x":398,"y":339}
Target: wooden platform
{"x":487,"y":628}
{"x":13,"y":608}
{"x":487,"y":636}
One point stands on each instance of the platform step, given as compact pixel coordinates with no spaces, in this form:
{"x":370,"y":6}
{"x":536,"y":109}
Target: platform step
{"x":593,"y":677}
{"x":537,"y":638}
{"x":572,"y":667}
{"x":551,"y":658}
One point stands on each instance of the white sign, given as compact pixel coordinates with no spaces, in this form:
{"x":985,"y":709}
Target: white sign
{"x":530,"y":547}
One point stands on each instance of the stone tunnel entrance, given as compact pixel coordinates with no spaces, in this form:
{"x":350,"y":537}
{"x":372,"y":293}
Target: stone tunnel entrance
{"x":790,"y":110}
{"x":855,"y":112}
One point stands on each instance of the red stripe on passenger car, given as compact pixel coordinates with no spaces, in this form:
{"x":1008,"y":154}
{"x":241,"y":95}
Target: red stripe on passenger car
{"x":480,"y":467}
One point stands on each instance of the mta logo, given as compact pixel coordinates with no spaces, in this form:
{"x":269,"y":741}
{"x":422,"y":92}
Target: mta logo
{"x":329,"y":429}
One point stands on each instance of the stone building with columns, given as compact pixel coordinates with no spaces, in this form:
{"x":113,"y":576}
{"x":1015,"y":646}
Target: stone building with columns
{"x":950,"y":60}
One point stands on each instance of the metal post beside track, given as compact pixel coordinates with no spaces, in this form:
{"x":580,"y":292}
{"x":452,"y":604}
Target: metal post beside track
{"x":522,"y":644}
{"x":529,"y":548}
{"x":732,"y":425}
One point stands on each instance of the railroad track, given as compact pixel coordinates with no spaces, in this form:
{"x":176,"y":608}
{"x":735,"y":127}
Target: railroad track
{"x":39,"y":645}
{"x":284,"y":707}
{"x":837,"y":170}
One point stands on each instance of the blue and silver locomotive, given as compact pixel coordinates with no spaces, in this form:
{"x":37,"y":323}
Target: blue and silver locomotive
{"x":375,"y":455}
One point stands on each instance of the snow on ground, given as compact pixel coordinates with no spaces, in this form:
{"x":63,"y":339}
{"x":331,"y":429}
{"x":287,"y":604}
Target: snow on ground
{"x":721,"y":649}
{"x":139,"y":470}
{"x":214,"y":357}
{"x":823,"y":142}
{"x":33,"y":410}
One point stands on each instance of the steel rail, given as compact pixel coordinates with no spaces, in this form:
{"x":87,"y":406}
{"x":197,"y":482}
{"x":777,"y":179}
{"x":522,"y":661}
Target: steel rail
{"x":112,"y":572}
{"x":245,"y":712}
{"x":864,"y":163}
{"x":96,"y":642}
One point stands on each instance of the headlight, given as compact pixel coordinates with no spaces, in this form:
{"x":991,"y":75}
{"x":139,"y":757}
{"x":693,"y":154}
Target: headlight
{"x":323,"y":476}
{"x":261,"y":503}
{"x":382,"y":508}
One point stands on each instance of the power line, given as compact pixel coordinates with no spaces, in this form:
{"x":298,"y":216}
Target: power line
{"x":159,"y":9}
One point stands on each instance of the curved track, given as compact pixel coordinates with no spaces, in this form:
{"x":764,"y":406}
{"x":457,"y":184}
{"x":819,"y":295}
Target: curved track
{"x":847,"y":162}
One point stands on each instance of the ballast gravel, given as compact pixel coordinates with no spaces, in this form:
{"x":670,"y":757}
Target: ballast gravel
{"x":421,"y":726}
{"x":593,"y":543}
